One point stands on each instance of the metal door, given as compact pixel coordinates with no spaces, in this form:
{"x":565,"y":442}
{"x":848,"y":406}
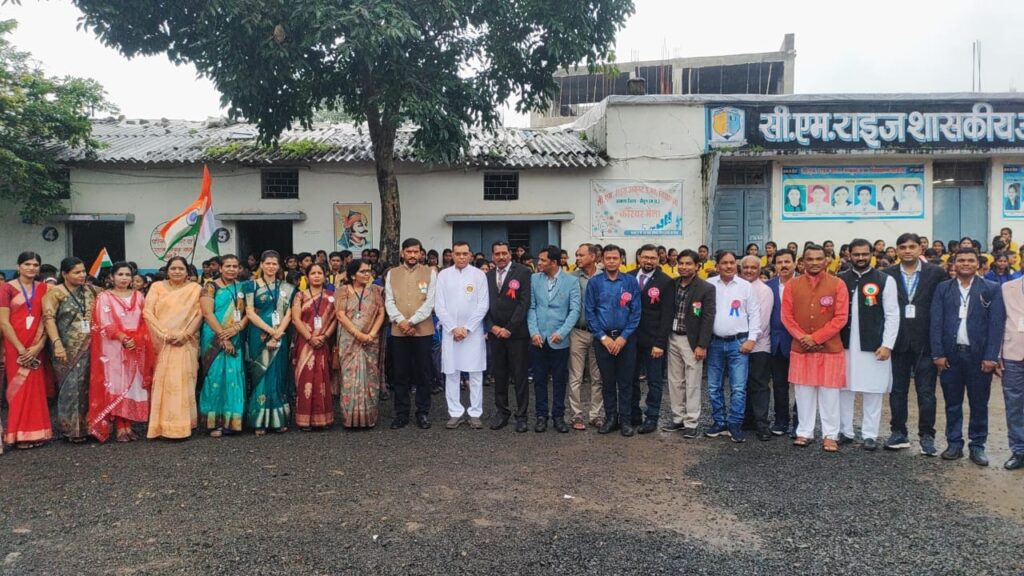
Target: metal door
{"x":960,"y":211}
{"x":741,"y":217}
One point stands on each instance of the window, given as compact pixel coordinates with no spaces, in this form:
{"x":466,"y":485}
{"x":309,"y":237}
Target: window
{"x":501,"y":186}
{"x":279,"y":184}
{"x":742,"y":174}
{"x":959,"y":173}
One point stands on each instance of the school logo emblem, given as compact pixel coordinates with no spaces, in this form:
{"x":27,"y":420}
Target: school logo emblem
{"x":726,"y":127}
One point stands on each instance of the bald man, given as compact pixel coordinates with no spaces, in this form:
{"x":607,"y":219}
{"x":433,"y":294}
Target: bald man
{"x":759,"y":373}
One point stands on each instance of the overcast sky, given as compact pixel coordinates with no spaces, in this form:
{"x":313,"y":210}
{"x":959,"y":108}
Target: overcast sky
{"x":842,"y":46}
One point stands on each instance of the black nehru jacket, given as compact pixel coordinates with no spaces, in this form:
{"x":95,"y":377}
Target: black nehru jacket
{"x":913,"y":335}
{"x":504,"y":310}
{"x":657,"y":307}
{"x":870,"y":314}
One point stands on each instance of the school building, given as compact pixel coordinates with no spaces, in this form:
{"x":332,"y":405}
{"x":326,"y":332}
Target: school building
{"x":677,"y":170}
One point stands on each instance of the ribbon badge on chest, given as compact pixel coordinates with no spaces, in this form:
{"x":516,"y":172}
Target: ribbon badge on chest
{"x":870,"y":292}
{"x":624,"y":299}
{"x":696,"y":309}
{"x":734,"y":308}
{"x":826,"y":301}
{"x":513,"y":285}
{"x":654,"y":294}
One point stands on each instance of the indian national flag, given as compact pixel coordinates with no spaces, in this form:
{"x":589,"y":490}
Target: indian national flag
{"x":102,"y":261}
{"x":197,"y":220}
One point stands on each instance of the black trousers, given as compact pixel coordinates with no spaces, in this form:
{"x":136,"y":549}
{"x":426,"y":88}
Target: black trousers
{"x":759,"y":391}
{"x":509,"y":363}
{"x":780,"y":390}
{"x":412,"y":368}
{"x":920,"y":366}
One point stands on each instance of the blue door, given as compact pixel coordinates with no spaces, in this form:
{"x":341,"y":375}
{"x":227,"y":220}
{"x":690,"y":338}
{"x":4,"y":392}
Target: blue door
{"x":960,"y":211}
{"x":741,"y":217}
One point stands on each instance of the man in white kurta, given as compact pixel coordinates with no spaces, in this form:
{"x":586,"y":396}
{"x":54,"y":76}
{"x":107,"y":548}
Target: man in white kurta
{"x":868,"y":373}
{"x":461,"y":303}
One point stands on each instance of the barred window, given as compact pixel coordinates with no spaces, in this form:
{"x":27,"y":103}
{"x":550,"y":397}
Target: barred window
{"x":501,"y":186}
{"x":279,"y":184}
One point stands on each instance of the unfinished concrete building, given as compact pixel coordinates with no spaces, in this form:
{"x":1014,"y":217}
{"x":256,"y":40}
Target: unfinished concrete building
{"x":765,"y":73}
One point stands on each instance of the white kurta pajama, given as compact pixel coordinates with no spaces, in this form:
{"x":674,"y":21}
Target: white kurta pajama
{"x":461,"y":301}
{"x":865,"y":374}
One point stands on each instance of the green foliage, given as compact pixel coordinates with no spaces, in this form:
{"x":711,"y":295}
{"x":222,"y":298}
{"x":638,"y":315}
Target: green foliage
{"x":443,"y":66}
{"x":40,"y":117}
{"x":297,"y":149}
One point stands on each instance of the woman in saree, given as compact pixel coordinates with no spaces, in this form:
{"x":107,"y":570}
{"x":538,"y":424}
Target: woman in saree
{"x":172,"y":315}
{"x":360,"y":316}
{"x":222,"y":399}
{"x":67,"y":314}
{"x":314,"y":321}
{"x":122,"y":359}
{"x":28,"y":373}
{"x":268,"y":302}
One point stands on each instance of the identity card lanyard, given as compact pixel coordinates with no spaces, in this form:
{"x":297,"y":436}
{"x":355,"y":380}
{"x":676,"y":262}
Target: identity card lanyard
{"x":318,"y":322}
{"x":963,"y":303}
{"x":911,"y":288}
{"x":234,"y":299}
{"x":28,"y":303}
{"x":359,"y":309}
{"x":80,"y":304}
{"x":275,"y":317}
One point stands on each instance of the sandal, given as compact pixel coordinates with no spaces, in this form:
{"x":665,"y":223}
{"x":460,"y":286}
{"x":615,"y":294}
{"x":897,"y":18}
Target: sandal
{"x":216,"y":433}
{"x":261,"y":432}
{"x":577,"y":423}
{"x":801,"y":442}
{"x":123,"y":437}
{"x":829,"y":445}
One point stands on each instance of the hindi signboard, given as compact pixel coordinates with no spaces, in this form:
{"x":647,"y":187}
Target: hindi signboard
{"x":628,"y":208}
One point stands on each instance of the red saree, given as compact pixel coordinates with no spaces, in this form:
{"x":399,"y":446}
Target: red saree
{"x":314,"y":403}
{"x":120,"y":379}
{"x":28,"y":419}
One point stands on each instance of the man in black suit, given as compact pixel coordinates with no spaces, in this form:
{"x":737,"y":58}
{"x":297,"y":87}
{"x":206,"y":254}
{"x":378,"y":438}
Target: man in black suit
{"x":915,"y":282}
{"x":508,"y":337}
{"x":693,"y":319}
{"x":652,"y":336}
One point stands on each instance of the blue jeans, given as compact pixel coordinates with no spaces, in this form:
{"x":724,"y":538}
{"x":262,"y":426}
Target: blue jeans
{"x":655,"y":369}
{"x":617,"y":379}
{"x":964,"y":374}
{"x":548,"y":361}
{"x":1013,"y":396}
{"x":721,"y":355}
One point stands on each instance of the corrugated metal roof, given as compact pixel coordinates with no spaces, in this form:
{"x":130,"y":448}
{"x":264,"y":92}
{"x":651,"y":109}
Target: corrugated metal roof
{"x":186,"y":142}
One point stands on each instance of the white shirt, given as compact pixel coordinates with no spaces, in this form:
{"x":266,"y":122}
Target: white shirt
{"x":462,"y":301}
{"x":766,"y":301}
{"x":745,"y":317}
{"x":961,"y":331}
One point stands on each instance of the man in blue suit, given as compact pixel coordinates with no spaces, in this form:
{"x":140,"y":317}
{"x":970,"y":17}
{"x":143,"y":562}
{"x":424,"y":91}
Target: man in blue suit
{"x":555,"y":305}
{"x":967,"y":323}
{"x":781,"y":341}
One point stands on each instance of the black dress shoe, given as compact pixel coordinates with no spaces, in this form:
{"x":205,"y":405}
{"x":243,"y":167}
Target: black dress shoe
{"x":521,"y":425}
{"x":648,"y":427}
{"x":978,"y":455}
{"x":763,"y":435}
{"x":499,"y":422}
{"x":627,"y":430}
{"x":953,"y":452}
{"x":610,"y":425}
{"x":423,"y":421}
{"x":560,"y":425}
{"x":541,"y":425}
{"x":1016,"y":462}
{"x":399,"y":422}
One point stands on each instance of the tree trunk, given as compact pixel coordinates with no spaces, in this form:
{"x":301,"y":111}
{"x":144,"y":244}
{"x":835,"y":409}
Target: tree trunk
{"x":382,"y":136}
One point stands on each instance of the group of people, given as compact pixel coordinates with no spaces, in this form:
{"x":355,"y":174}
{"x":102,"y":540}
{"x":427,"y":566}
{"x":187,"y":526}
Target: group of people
{"x":224,"y":352}
{"x":258,"y":353}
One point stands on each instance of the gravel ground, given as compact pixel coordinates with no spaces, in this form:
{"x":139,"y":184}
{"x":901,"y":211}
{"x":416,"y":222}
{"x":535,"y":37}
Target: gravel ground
{"x":483,"y":502}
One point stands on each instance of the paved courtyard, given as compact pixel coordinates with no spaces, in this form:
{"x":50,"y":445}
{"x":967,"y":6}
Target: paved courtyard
{"x":483,"y":502}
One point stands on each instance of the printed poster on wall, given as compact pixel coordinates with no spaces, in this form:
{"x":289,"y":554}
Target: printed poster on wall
{"x":353,"y":226}
{"x":852,"y":192}
{"x":1013,"y":183}
{"x":636,"y":208}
